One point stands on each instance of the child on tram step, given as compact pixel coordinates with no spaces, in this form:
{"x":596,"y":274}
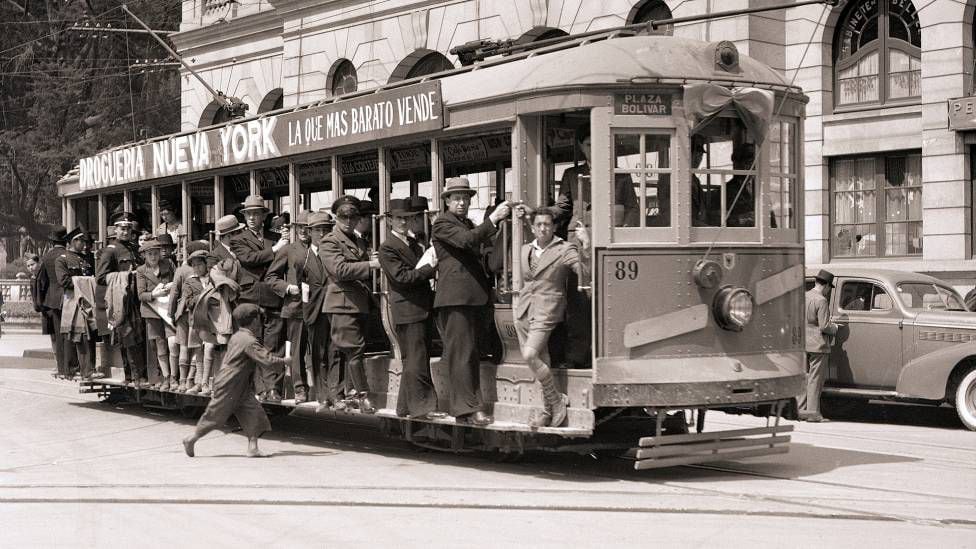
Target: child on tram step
{"x":179,"y":310}
{"x":202,"y":351}
{"x":154,"y":280}
{"x":233,"y":391}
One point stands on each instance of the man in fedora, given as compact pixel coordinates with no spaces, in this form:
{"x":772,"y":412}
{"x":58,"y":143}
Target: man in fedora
{"x":122,"y":256}
{"x":255,"y":254}
{"x":411,"y":300}
{"x":50,"y":294}
{"x":347,"y":300}
{"x":284,"y":277}
{"x":463,"y":288}
{"x":224,"y":229}
{"x":820,"y":332}
{"x":314,"y":280}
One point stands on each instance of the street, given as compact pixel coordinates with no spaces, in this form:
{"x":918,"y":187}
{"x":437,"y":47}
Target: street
{"x":78,"y":472}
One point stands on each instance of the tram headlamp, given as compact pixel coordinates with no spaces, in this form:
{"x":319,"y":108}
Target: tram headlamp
{"x":733,"y":308}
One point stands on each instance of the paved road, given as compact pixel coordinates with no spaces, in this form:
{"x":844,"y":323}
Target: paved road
{"x":77,"y":472}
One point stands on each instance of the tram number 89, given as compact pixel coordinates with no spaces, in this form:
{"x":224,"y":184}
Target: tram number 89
{"x":626,"y":270}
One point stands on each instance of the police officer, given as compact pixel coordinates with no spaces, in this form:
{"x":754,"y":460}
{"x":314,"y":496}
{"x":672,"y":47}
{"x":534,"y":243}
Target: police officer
{"x":50,"y":294}
{"x":78,"y":331}
{"x":122,"y":256}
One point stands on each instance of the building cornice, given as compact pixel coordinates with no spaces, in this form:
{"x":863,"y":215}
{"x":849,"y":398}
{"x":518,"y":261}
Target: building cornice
{"x":219,"y":34}
{"x":295,"y":9}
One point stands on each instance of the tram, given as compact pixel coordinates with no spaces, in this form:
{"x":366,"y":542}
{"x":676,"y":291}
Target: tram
{"x":696,"y":288}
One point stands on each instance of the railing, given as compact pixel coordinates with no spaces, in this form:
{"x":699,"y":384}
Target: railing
{"x":15,"y":290}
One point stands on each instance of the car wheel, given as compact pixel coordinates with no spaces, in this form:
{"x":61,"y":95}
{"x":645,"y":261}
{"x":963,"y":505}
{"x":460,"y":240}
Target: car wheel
{"x":966,"y":400}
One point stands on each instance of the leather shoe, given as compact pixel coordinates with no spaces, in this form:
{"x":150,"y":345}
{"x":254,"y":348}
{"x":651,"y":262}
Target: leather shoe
{"x":365,"y":405}
{"x":430,"y":416}
{"x":478,"y":418}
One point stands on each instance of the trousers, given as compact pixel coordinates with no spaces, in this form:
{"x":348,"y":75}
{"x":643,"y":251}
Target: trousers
{"x":808,"y":403}
{"x":416,"y":396}
{"x":459,"y":331}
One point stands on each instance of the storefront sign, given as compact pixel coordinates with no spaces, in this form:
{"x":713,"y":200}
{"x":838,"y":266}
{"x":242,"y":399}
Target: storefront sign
{"x":402,"y":111}
{"x":962,"y":113}
{"x":654,"y":104}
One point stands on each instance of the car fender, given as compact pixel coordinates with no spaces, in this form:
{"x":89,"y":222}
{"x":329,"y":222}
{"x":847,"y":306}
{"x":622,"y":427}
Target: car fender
{"x":925,"y":377}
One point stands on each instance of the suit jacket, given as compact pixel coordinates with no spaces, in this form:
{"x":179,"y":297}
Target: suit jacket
{"x":120,"y":256}
{"x":543,"y":293}
{"x":346,"y":261}
{"x":49,"y":291}
{"x":220,"y":250}
{"x":461,"y":277}
{"x":255,"y":256}
{"x":284,"y":271}
{"x":146,"y":281}
{"x":410,"y":295}
{"x":819,"y":328}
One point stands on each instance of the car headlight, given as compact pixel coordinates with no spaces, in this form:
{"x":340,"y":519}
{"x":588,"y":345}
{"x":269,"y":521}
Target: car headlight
{"x":733,"y":308}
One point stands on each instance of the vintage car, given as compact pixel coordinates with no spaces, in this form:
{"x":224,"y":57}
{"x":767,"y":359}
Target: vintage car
{"x":903,"y":336}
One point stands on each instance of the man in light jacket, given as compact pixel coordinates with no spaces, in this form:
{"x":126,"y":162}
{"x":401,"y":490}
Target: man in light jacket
{"x":820,"y":332}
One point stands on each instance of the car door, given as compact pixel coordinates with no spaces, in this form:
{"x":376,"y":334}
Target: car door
{"x":869,"y":339}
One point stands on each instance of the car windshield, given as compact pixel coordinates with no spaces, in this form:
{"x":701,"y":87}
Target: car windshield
{"x":922,"y":296}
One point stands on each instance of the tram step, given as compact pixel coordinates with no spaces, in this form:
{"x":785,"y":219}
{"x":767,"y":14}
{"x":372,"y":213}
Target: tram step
{"x":686,"y":449}
{"x":496,"y":426}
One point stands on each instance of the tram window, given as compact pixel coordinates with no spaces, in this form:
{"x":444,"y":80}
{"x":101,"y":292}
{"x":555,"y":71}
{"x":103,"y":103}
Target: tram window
{"x":236,"y":188}
{"x":113,"y":204}
{"x":642,"y":180}
{"x":563,"y":159}
{"x":410,"y":171}
{"x":486,"y":161}
{"x":723,"y":175}
{"x":360,"y":176}
{"x":202,"y":209}
{"x":315,"y":187}
{"x":273,"y":187}
{"x":141,"y":207}
{"x":783,"y":177}
{"x":86,"y":213}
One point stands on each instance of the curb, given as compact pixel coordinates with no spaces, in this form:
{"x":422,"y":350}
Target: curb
{"x":39,"y":353}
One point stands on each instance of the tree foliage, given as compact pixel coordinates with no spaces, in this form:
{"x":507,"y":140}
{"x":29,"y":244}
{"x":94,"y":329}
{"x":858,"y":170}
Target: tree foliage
{"x":66,"y":94}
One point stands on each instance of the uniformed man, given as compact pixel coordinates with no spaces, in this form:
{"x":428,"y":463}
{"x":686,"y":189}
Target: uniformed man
{"x":122,"y":256}
{"x":349,"y":266}
{"x":50,"y":293}
{"x":411,"y":300}
{"x":462,"y":295}
{"x":284,"y":276}
{"x":255,"y":254}
{"x":78,"y":331}
{"x":820,"y":331}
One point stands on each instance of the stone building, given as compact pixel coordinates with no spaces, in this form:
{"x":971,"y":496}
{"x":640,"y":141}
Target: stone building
{"x":887,"y":176}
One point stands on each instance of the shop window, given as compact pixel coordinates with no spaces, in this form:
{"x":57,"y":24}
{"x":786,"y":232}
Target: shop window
{"x":651,"y":10}
{"x":877,"y":53}
{"x":342,"y":77}
{"x":877,"y":205}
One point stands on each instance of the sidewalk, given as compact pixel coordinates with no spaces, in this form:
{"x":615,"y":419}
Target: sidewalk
{"x":29,"y":343}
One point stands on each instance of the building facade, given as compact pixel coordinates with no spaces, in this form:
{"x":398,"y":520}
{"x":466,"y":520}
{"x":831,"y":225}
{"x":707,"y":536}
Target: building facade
{"x":888,"y":175}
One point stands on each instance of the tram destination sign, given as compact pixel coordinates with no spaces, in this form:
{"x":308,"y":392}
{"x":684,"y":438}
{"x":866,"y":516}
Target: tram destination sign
{"x":654,"y":104}
{"x":401,"y":111}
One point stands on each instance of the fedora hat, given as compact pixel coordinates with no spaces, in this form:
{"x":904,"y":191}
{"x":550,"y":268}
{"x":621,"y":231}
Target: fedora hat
{"x":458,"y":185}
{"x":301,"y":220}
{"x":227,"y":225}
{"x":400,"y":207}
{"x":418,"y":204}
{"x":254,"y":202}
{"x":58,"y":233}
{"x":197,"y":245}
{"x":151,"y":244}
{"x":165,"y":240}
{"x":320,"y":219}
{"x":825,"y":277}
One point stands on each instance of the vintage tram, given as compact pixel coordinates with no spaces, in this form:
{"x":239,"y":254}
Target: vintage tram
{"x":696,"y":288}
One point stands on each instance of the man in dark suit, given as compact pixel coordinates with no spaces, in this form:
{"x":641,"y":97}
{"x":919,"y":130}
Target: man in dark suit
{"x":284,"y":277}
{"x":411,"y":299}
{"x":314,"y":280}
{"x":255,"y":254}
{"x":462,"y":294}
{"x":50,"y":293}
{"x":349,"y":266}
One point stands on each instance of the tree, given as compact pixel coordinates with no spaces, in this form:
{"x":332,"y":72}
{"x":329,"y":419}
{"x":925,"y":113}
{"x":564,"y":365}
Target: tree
{"x":66,"y":94}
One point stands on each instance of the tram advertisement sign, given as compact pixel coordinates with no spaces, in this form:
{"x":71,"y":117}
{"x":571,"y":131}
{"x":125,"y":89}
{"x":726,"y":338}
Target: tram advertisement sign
{"x":655,"y":104}
{"x":401,"y":111}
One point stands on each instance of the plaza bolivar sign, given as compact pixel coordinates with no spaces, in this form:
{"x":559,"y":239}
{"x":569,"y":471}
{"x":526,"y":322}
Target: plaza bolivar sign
{"x":391,"y":113}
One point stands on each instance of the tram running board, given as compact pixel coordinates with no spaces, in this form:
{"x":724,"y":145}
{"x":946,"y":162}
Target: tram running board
{"x":686,"y":449}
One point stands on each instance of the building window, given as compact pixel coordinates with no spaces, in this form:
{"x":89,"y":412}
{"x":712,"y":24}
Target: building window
{"x":651,"y":10}
{"x":274,"y":100}
{"x":877,"y":205}
{"x":419,"y":63}
{"x":342,"y":78}
{"x":538,"y":34}
{"x":878,"y":53}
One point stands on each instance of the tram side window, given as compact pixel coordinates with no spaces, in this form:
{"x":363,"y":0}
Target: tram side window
{"x":203,"y":209}
{"x":781,"y":195}
{"x":642,"y":180}
{"x":410,"y":171}
{"x":141,"y":200}
{"x":86,"y":213}
{"x":723,"y":175}
{"x":315,"y":190}
{"x":236,"y":188}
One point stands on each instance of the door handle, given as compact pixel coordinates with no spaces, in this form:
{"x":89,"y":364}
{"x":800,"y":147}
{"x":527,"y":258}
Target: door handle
{"x":901,"y":324}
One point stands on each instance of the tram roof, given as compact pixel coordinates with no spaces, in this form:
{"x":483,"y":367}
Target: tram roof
{"x":594,"y":61}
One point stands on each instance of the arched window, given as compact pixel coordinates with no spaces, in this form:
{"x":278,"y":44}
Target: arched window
{"x":214,"y":113}
{"x":419,"y":63}
{"x":273,"y":101}
{"x":877,"y":53}
{"x":536,"y":34}
{"x":342,"y":77}
{"x":651,"y":10}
